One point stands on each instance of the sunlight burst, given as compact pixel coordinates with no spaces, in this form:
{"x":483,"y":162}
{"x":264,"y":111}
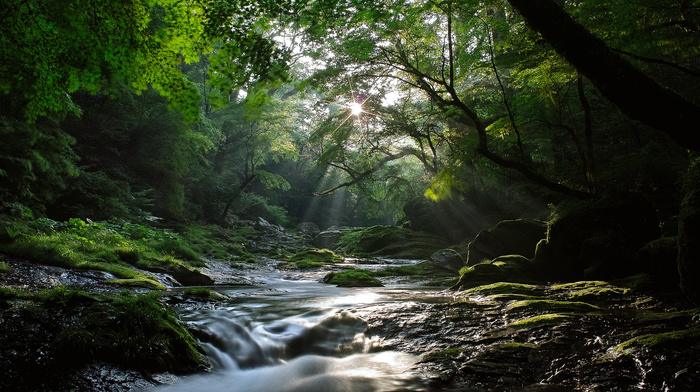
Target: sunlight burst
{"x":356,"y":108}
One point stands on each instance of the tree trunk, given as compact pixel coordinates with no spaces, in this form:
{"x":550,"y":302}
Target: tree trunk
{"x":634,"y":93}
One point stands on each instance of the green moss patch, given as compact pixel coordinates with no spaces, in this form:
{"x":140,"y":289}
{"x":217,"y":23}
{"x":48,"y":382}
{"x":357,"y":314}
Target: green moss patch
{"x":551,"y":306}
{"x":138,"y":282}
{"x":512,"y":268}
{"x":5,"y":269}
{"x":352,"y":278}
{"x":505,"y":288}
{"x":540,"y":321}
{"x":114,"y":246}
{"x":314,"y":258}
{"x":391,"y":241}
{"x":673,"y":339}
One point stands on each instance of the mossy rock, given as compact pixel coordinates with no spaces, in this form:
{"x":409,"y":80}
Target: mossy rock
{"x":50,"y":333}
{"x":314,"y":258}
{"x":551,"y":306}
{"x":591,"y":291}
{"x":138,"y":282}
{"x":184,"y":275}
{"x":666,"y":340}
{"x":352,"y":278}
{"x":507,"y":237}
{"x":541,"y":320}
{"x":513,"y":268}
{"x":504,"y":288}
{"x":391,"y":241}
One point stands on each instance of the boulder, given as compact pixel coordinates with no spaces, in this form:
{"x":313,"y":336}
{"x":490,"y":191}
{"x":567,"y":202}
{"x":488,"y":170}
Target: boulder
{"x":507,"y":237}
{"x":509,"y":268}
{"x":327,"y":239}
{"x":185,"y":276}
{"x":308,"y":228}
{"x":597,"y":239}
{"x":447,"y":259}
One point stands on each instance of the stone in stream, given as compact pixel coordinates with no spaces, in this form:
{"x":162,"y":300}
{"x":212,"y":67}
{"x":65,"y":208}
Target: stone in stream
{"x":447,"y":259}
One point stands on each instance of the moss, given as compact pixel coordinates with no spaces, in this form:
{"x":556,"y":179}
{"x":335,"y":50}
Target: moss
{"x":352,"y":278}
{"x":598,"y":294}
{"x":546,"y":305}
{"x":511,"y":268}
{"x":5,"y":269}
{"x":511,"y":297}
{"x":314,"y":258}
{"x":504,"y":288}
{"x":138,"y":282}
{"x":135,"y":331}
{"x":540,"y":321}
{"x":49,"y":332}
{"x":673,"y":339}
{"x":391,"y":241}
{"x":198,"y":292}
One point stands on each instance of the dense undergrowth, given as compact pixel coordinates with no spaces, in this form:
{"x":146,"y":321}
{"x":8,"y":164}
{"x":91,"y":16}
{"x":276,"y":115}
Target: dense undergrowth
{"x":117,"y":246}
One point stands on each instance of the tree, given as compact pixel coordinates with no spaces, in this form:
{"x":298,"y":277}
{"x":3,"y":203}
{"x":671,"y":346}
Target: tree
{"x":636,"y":94}
{"x":50,"y":49}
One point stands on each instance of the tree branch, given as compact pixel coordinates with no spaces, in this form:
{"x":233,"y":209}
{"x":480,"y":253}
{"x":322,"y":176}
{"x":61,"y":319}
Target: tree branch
{"x":634,"y":93}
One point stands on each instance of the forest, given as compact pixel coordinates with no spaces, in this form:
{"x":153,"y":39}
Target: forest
{"x":535,"y":163}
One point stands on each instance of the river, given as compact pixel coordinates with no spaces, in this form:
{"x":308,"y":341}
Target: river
{"x":285,"y":331}
{"x":289,"y":332}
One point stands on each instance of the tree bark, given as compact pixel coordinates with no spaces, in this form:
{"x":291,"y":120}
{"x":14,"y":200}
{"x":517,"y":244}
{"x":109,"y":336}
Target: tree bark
{"x":634,"y":93}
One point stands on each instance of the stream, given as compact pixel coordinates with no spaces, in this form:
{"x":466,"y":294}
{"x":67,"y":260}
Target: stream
{"x":285,"y":331}
{"x":289,"y":332}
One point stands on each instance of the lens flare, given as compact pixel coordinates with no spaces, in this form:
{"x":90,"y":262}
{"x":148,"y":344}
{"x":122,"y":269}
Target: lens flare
{"x":356,"y":108}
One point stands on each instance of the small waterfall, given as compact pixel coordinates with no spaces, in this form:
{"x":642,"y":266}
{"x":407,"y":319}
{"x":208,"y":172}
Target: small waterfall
{"x":235,"y":342}
{"x":318,"y":350}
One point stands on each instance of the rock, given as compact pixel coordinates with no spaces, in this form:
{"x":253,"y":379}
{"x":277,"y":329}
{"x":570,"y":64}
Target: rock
{"x":308,"y":228}
{"x":597,"y":239}
{"x":511,"y":268}
{"x":352,"y":278}
{"x":448,"y":259}
{"x":507,"y":237}
{"x":185,"y":276}
{"x":689,"y":246}
{"x":327,"y":239}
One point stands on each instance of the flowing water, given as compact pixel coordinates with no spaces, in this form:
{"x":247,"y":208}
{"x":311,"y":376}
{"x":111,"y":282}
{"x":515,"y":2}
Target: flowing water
{"x":289,"y":332}
{"x":286,"y":331}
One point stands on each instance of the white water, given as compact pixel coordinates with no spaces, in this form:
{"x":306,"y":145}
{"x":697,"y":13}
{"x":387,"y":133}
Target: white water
{"x":295,"y":334}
